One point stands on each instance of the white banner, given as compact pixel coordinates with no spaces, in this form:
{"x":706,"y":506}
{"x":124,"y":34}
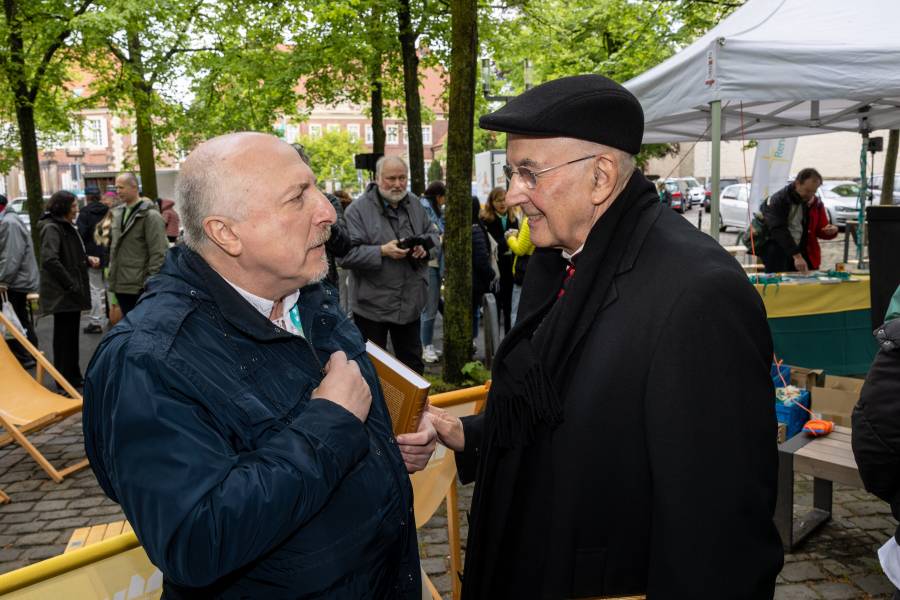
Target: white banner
{"x":771,"y":169}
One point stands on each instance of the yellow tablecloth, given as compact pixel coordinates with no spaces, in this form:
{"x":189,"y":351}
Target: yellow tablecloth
{"x":803,"y":299}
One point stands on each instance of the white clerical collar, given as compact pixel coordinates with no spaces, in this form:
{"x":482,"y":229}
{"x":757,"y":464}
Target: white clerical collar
{"x":264,"y":307}
{"x":569,"y":257}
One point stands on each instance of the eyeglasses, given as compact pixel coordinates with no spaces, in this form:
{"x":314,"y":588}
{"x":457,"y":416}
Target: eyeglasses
{"x":529,"y":177}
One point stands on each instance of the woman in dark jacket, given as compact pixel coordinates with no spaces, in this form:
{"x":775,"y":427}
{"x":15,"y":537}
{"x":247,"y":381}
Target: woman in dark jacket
{"x":482,"y":273}
{"x":497,"y":221}
{"x":65,"y":290}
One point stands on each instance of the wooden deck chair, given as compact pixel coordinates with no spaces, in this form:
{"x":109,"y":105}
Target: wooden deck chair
{"x":26,"y":405}
{"x":437,"y":483}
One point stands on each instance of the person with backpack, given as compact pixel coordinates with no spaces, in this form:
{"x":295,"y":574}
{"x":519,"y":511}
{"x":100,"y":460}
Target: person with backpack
{"x":786,"y":223}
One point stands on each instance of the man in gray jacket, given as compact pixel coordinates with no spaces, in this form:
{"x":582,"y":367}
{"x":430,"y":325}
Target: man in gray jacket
{"x":138,"y":243}
{"x":18,"y":274}
{"x":391,"y":237}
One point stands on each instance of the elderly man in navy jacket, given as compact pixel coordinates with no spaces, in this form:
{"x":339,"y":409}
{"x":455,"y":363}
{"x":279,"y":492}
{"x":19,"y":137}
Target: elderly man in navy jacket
{"x":234,"y":414}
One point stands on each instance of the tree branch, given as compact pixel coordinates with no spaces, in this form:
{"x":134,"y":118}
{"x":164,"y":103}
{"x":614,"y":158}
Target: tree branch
{"x":51,"y":50}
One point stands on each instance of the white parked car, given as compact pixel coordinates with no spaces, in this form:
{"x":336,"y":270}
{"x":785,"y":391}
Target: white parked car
{"x":18,"y":204}
{"x":840,"y":199}
{"x":733,"y":207}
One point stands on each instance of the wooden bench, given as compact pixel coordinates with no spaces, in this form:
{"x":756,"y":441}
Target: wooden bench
{"x":829,"y":460}
{"x":85,"y":536}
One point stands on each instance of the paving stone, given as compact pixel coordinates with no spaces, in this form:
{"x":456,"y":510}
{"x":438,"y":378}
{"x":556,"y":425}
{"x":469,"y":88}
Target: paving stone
{"x":63,"y":494}
{"x":9,"y":554}
{"x":104,"y":511}
{"x":32,"y":539}
{"x":862,"y":508}
{"x":17,"y":518}
{"x":874,"y":584}
{"x":801,"y":571}
{"x":836,"y":568}
{"x":37,"y":553}
{"x":836,"y":591}
{"x":433,"y":550}
{"x":795,"y":592}
{"x":20,"y":528}
{"x":49,"y":505}
{"x":17,"y":507}
{"x":13,"y":565}
{"x":86,"y":502}
{"x":434,"y":565}
{"x":67,"y":524}
{"x":22,"y":486}
{"x":871,"y":522}
{"x":49,"y":486}
{"x":28,"y":496}
{"x":59,"y":514}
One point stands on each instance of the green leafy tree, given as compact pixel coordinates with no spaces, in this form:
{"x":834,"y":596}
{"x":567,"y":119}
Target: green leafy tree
{"x":331,"y":157}
{"x":616,"y":38}
{"x":248,"y":79}
{"x":37,"y":37}
{"x":138,"y":52}
{"x":435,"y":171}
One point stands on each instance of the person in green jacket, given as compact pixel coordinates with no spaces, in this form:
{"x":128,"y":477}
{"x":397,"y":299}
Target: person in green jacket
{"x":138,"y":243}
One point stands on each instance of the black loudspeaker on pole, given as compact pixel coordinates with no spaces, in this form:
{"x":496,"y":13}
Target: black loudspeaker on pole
{"x":884,"y":257}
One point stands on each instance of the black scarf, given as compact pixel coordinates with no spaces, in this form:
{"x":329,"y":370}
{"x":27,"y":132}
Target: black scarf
{"x":526,"y":403}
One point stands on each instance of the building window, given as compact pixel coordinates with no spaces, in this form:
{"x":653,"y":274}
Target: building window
{"x":93,"y":132}
{"x":291,"y":133}
{"x":426,"y":135}
{"x":370,"y":137}
{"x":353,"y":131}
{"x":315,"y":130}
{"x":332,"y":127}
{"x":393,"y":134}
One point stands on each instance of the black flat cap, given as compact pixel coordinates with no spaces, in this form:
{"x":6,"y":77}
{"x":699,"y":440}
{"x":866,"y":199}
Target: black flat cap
{"x":586,"y":107}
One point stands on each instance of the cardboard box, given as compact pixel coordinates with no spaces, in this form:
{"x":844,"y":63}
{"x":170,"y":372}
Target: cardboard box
{"x":805,"y":378}
{"x":836,"y":398}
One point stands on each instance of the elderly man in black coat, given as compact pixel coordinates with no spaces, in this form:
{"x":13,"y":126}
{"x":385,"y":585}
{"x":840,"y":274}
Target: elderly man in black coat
{"x":628,"y":445}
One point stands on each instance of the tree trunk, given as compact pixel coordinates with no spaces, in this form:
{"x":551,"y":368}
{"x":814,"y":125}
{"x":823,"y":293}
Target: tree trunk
{"x":458,"y":234}
{"x":141,"y":97}
{"x":378,"y":133}
{"x":32,"y":169}
{"x":24,"y":103}
{"x":890,"y":168}
{"x":413,"y":102}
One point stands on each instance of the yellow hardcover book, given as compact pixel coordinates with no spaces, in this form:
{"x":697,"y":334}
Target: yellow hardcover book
{"x":405,"y":391}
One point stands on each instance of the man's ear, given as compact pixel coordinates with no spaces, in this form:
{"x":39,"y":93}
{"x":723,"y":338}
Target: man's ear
{"x":606,"y":174}
{"x":220,"y":231}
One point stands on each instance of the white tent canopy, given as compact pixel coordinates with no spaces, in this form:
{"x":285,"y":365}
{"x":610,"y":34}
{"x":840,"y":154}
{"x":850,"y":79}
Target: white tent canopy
{"x":799,"y":67}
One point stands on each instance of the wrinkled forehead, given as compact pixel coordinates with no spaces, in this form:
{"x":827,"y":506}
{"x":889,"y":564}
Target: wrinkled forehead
{"x":533,"y":150}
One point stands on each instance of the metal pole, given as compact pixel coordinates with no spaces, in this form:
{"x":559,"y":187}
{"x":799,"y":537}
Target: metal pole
{"x":863,"y":184}
{"x":716,"y":138}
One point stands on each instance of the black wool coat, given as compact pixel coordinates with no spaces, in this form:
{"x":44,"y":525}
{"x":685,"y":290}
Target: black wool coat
{"x":64,"y":277}
{"x":876,"y":422}
{"x":629,"y":441}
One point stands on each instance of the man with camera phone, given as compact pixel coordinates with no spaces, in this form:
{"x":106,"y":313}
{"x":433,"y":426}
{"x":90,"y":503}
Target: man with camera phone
{"x":392,"y":237}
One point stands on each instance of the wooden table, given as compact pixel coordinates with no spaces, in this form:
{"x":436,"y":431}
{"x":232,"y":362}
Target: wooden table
{"x":828,"y":459}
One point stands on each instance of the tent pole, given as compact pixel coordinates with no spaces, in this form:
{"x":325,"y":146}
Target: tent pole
{"x":863,"y":192}
{"x":715,"y":114}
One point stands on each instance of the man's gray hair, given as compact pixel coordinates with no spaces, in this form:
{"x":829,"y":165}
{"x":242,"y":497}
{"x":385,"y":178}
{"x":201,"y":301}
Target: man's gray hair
{"x":380,"y":164}
{"x":196,"y":192}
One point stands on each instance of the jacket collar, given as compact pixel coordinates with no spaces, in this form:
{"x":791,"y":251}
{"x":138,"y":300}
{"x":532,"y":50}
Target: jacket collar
{"x":202,"y":283}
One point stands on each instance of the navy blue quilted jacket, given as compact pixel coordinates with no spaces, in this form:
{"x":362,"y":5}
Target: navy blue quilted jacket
{"x":199,"y":421}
